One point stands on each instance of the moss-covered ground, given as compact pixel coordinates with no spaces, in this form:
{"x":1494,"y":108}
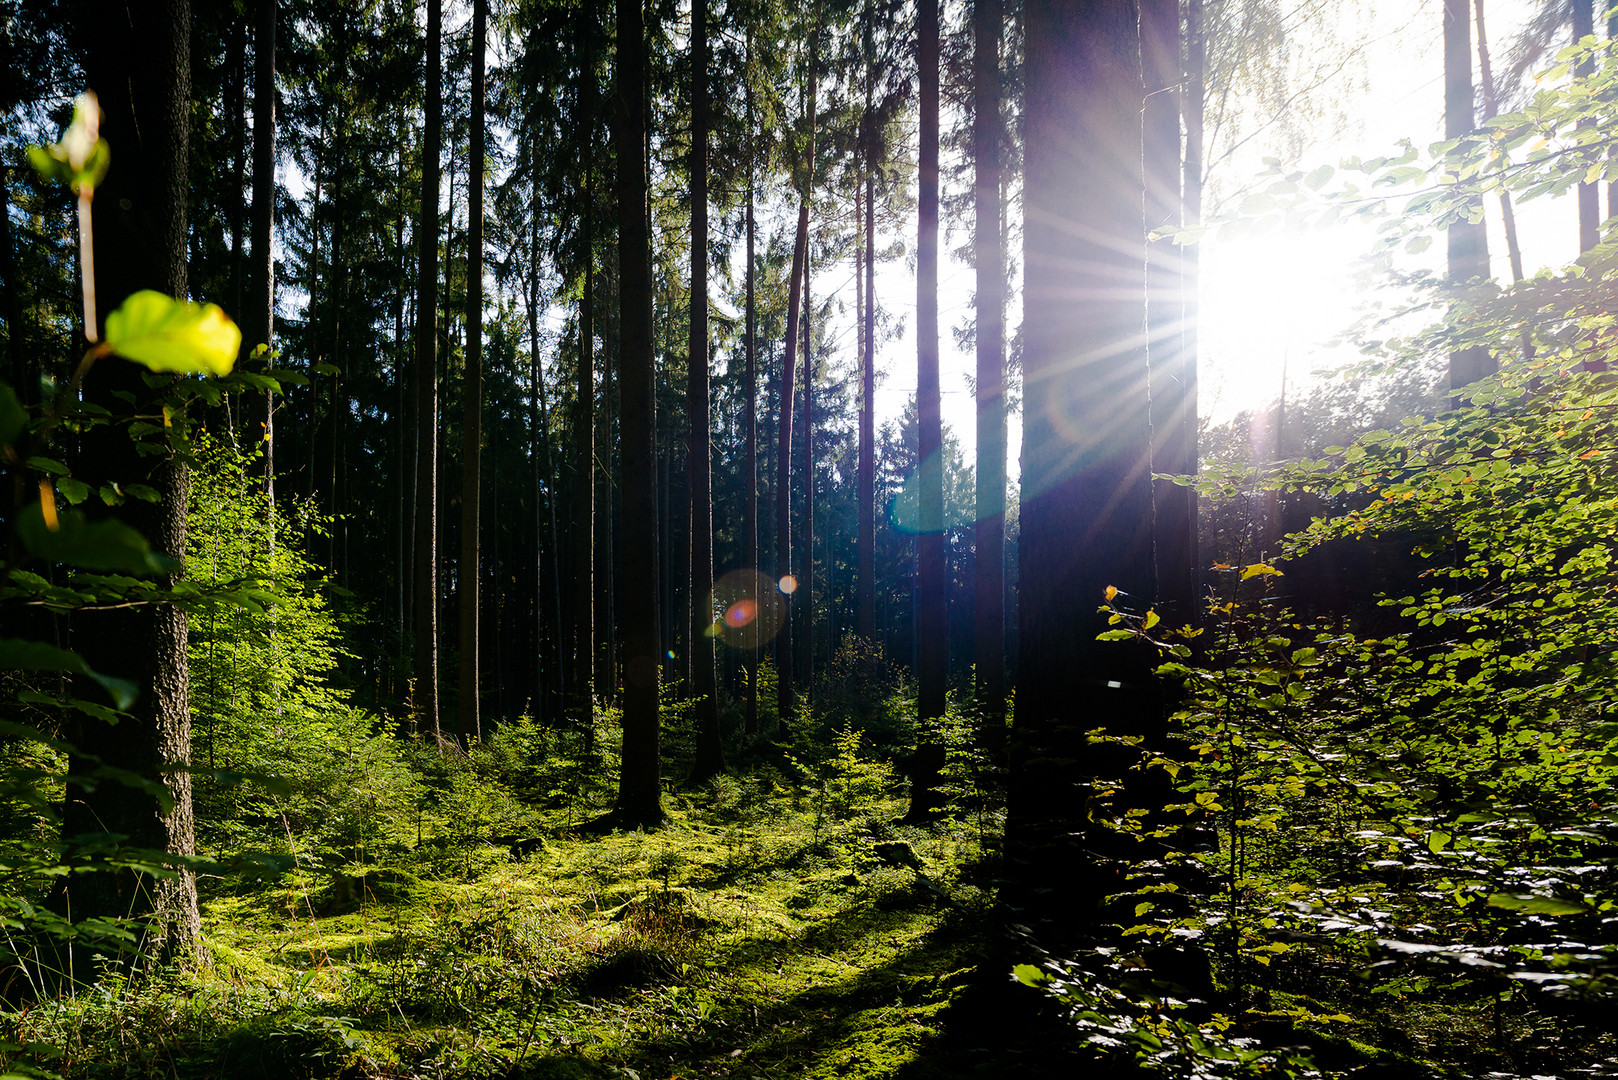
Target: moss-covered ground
{"x":758,"y":933}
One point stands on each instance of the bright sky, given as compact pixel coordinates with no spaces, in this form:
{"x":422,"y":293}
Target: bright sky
{"x":1271,"y":302}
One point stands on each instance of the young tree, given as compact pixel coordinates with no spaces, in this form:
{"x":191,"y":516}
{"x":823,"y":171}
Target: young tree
{"x":426,"y":544}
{"x":639,"y":784}
{"x":139,"y":64}
{"x":469,"y":725}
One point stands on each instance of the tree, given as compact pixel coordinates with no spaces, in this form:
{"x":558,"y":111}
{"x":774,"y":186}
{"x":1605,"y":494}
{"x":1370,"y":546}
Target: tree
{"x":639,"y":782}
{"x":425,"y":603}
{"x":1589,"y":198}
{"x":1468,"y":243}
{"x":139,"y":63}
{"x":469,"y":725}
{"x":1086,"y":480}
{"x":698,"y":481}
{"x":258,"y":315}
{"x":989,"y":592}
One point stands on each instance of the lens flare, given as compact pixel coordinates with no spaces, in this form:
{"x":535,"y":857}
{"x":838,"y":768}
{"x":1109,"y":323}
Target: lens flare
{"x":741,"y":613}
{"x":788,"y":585}
{"x":748,"y":609}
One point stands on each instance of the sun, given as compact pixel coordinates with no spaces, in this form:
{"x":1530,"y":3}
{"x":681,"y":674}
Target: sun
{"x":1270,"y":303}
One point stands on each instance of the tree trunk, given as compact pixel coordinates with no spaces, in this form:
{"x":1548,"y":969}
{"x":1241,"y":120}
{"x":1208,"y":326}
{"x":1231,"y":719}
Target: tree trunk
{"x":426,"y":570}
{"x":806,"y":579}
{"x":23,"y":379}
{"x":584,"y":506}
{"x":750,"y":559}
{"x":865,"y":588}
{"x":932,"y":641}
{"x":1468,"y":244}
{"x":710,"y":750}
{"x":989,"y":584}
{"x":1589,"y":197}
{"x":639,"y":783}
{"x":468,"y":717}
{"x":1086,"y":481}
{"x":783,"y":472}
{"x":140,"y":67}
{"x":1172,"y":375}
{"x":258,"y":315}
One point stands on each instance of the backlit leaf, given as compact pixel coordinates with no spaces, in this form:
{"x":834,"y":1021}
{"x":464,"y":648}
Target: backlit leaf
{"x":165,"y":334}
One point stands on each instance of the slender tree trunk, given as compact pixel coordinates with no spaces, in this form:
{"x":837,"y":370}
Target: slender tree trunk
{"x":236,"y":212}
{"x":1468,"y":244}
{"x":783,"y":472}
{"x":258,"y":314}
{"x":140,"y":67}
{"x":806,"y":580}
{"x":584,"y":506}
{"x":1589,"y":196}
{"x":403,"y":460}
{"x":21,"y":371}
{"x":710,"y":750}
{"x":1174,"y":531}
{"x":1196,"y":62}
{"x":932,"y":634}
{"x":1086,"y":482}
{"x":989,"y":585}
{"x":426,"y":572}
{"x":750,"y":559}
{"x":469,"y":718}
{"x":639,"y":784}
{"x":865,"y":588}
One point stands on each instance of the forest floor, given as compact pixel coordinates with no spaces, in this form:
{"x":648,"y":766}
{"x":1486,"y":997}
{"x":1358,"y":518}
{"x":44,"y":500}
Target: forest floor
{"x":757,"y":934}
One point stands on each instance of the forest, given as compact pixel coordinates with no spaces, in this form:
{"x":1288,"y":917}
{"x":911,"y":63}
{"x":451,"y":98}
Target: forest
{"x":500,"y":578}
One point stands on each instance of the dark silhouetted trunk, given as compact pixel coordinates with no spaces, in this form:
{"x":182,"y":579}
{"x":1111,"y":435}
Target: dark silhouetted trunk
{"x":1086,"y":474}
{"x":710,"y":751}
{"x":783,"y":472}
{"x":639,"y":783}
{"x":989,"y":584}
{"x":426,"y":569}
{"x":932,"y":638}
{"x":750,"y":559}
{"x":468,"y":715}
{"x":258,"y":312}
{"x":584,"y":492}
{"x":865,"y":585}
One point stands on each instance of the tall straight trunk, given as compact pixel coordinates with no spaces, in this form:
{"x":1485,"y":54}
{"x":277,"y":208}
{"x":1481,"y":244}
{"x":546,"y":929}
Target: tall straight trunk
{"x":1468,"y":244}
{"x":236,"y":110}
{"x":1196,"y":63}
{"x":750,"y":412}
{"x":1175,"y":528}
{"x":639,"y":783}
{"x":783,"y":471}
{"x":710,"y":750}
{"x":1612,"y":36}
{"x":608,"y":526}
{"x":865,"y":586}
{"x":931,"y":612}
{"x":806,"y":580}
{"x":468,"y":714}
{"x":403,"y":460}
{"x":584,"y":503}
{"x":989,"y":580}
{"x":932,"y":641}
{"x":139,"y":65}
{"x":21,"y":371}
{"x":258,"y":313}
{"x":1491,"y":107}
{"x":426,"y":569}
{"x":1086,"y":473}
{"x":1589,"y":197}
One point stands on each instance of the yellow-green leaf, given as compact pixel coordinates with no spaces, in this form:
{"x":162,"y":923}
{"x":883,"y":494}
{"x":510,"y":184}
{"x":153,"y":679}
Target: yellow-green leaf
{"x":81,"y":159}
{"x":1257,"y":569}
{"x":166,"y":334}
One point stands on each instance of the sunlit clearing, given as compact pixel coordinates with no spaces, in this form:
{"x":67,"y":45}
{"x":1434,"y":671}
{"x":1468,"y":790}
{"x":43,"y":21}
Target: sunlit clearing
{"x":1270,"y":301}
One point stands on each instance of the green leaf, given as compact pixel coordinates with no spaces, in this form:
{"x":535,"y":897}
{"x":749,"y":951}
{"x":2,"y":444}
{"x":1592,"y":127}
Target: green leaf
{"x":166,"y":334}
{"x":1115,"y":635}
{"x":1258,"y":569}
{"x":1537,"y":905}
{"x":1029,"y":975}
{"x":74,"y":491}
{"x":82,"y":158}
{"x":19,"y":655}
{"x":1438,"y":841}
{"x":13,"y":417}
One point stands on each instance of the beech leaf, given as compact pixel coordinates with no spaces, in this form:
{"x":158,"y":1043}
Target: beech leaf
{"x":165,"y":334}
